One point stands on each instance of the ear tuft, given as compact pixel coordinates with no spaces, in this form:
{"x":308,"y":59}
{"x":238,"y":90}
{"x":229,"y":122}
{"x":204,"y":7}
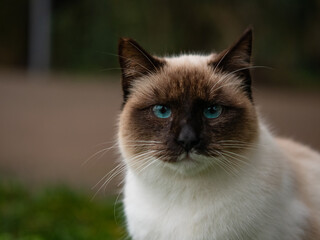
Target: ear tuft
{"x":237,"y":59}
{"x":135,"y":62}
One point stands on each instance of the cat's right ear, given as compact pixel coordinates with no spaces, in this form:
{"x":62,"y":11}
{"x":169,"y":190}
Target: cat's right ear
{"x":135,"y":62}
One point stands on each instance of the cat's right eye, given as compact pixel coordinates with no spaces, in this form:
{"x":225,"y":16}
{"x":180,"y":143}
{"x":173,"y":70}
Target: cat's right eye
{"x":161,"y":111}
{"x":213,"y":111}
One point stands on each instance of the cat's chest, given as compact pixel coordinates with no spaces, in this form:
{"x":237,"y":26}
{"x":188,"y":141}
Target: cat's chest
{"x":158,"y":218}
{"x":190,"y":213}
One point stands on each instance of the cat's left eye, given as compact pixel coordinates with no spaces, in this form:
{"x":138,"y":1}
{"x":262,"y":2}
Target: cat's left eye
{"x":161,"y":111}
{"x":213,"y":111}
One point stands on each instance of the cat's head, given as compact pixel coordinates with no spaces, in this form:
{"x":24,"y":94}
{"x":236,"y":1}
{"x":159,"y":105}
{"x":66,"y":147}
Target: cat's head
{"x":189,"y":112}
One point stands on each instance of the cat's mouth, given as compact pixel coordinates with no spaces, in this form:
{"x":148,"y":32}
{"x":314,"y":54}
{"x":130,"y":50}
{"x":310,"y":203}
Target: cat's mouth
{"x":186,"y":156}
{"x":183,"y":157}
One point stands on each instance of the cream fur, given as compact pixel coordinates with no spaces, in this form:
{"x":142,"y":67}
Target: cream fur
{"x":260,"y":202}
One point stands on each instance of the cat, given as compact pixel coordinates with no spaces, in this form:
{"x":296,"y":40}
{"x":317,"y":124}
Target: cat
{"x":200,"y":162}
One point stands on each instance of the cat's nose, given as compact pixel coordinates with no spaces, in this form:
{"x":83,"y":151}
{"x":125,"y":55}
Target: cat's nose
{"x":187,"y":137}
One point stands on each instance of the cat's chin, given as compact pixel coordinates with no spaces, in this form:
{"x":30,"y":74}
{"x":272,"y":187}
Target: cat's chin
{"x":190,"y":164}
{"x":186,"y":157}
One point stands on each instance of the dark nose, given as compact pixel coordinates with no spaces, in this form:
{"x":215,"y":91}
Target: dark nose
{"x":187,"y":137}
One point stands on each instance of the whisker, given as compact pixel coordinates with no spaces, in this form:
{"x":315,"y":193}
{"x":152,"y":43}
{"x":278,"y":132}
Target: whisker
{"x":147,"y":141}
{"x":114,"y":207}
{"x":219,"y":81}
{"x":120,"y":165}
{"x":239,"y":147}
{"x":118,"y":170}
{"x":238,"y":155}
{"x":221,"y":164}
{"x":240,"y":142}
{"x":227,"y":163}
{"x":112,"y":176}
{"x":152,"y":162}
{"x":143,"y":55}
{"x":227,"y":84}
{"x":119,"y":56}
{"x":102,"y":152}
{"x":237,"y":159}
{"x":235,"y":163}
{"x":250,"y":67}
{"x":104,"y":143}
{"x":223,"y":57}
{"x":146,"y":166}
{"x":226,"y":77}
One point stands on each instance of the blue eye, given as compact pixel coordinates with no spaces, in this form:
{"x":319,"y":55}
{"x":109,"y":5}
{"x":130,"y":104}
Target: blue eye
{"x":161,"y":111}
{"x":213,"y":111}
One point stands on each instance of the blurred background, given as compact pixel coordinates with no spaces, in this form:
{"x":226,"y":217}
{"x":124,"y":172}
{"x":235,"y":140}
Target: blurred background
{"x":60,"y":95}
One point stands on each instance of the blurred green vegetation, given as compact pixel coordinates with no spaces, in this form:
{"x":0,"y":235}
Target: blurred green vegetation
{"x":85,"y":32}
{"x":57,"y":214}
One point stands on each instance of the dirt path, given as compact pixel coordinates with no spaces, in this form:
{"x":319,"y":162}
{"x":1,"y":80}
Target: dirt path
{"x":48,"y":128}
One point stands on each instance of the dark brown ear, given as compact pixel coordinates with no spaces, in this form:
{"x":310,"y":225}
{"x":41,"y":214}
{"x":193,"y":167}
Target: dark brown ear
{"x":237,"y":60}
{"x":135,"y":62}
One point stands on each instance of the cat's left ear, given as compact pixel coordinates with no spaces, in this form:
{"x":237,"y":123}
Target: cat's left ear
{"x":135,"y":62}
{"x":237,"y":60}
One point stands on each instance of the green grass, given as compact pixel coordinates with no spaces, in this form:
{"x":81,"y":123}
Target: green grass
{"x":57,"y":214}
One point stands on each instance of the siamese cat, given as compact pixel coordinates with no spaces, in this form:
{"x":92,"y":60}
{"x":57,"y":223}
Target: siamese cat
{"x":200,"y":162}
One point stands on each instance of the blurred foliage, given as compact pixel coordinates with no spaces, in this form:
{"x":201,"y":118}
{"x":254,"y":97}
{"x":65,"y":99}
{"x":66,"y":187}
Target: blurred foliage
{"x":85,"y":33}
{"x":56,"y":214}
{"x":13,"y":32}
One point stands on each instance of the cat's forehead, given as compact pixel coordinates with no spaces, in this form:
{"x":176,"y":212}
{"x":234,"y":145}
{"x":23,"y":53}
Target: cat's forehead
{"x":185,"y":77}
{"x":189,"y":60}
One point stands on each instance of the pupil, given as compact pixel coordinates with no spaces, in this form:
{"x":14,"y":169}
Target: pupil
{"x":212,"y":110}
{"x":163,"y":110}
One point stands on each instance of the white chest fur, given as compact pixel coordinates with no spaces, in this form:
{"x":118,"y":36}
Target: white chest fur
{"x":257,"y":203}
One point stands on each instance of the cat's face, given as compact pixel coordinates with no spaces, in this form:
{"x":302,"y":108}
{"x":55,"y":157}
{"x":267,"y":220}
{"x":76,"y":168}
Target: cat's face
{"x":188,"y":112}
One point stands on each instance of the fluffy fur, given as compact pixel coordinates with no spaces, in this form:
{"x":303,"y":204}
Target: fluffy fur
{"x":238,"y":182}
